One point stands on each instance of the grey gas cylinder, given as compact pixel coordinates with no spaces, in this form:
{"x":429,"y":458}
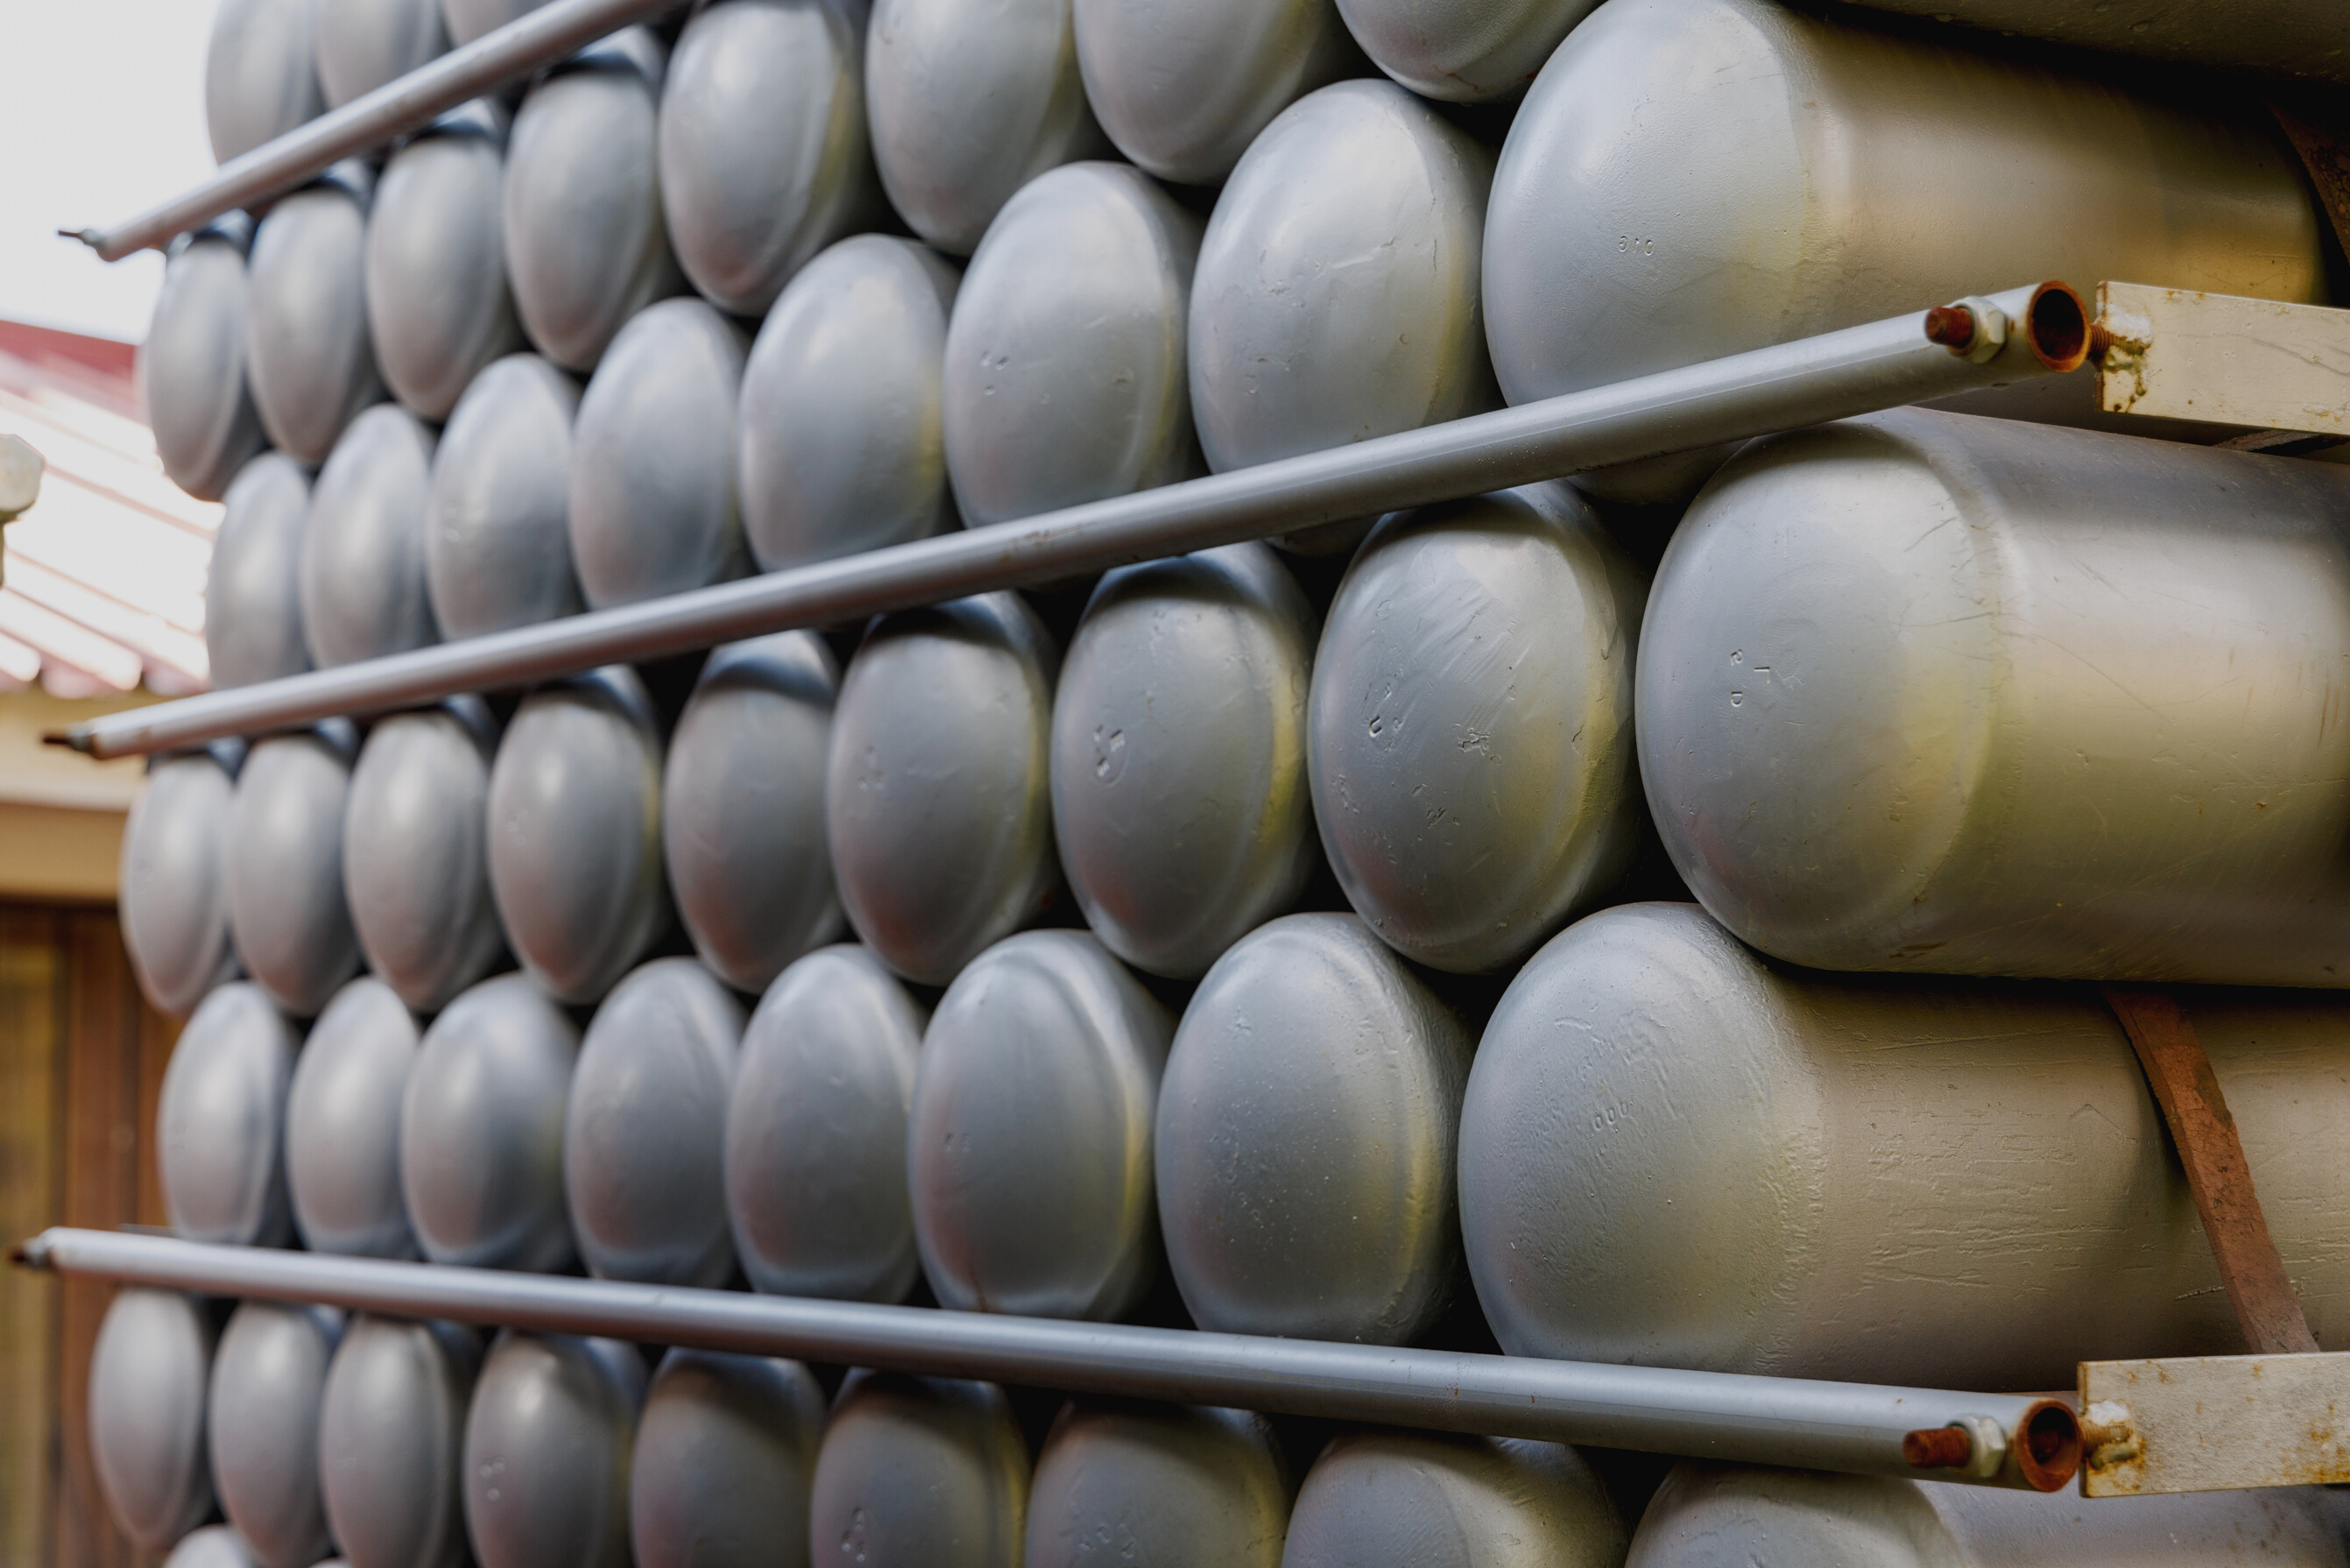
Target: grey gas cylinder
{"x":1336,"y":295}
{"x":586,"y":247}
{"x":1157,"y":1486}
{"x":1986,"y":751}
{"x":725,"y":1450}
{"x":481,"y":1130}
{"x":938,"y":797}
{"x":416,"y":852}
{"x":214,"y":1547}
{"x":261,"y":73}
{"x":191,"y":368}
{"x":1473,"y":761}
{"x":1179,"y":796}
{"x":267,"y":1375}
{"x":743,"y":808}
{"x":644,"y":1137}
{"x":546,"y":1452}
{"x":342,"y":1125}
{"x":843,"y":446}
{"x":150,"y":1379}
{"x":654,"y":508}
{"x":1433,"y":1500}
{"x":438,"y":309}
{"x":253,"y":605}
{"x":307,"y":354}
{"x":920,"y":1472}
{"x":1687,"y":181}
{"x":1310,"y":1045}
{"x":286,"y":909}
{"x":575,"y":833}
{"x":497,"y":548}
{"x":1028,"y":1144}
{"x":363,"y":44}
{"x":220,"y":1124}
{"x":362,"y":569}
{"x":468,"y":19}
{"x":391,"y":1425}
{"x":815,"y":1131}
{"x":1675,"y":1153}
{"x":969,"y":103}
{"x":1461,"y":53}
{"x":174,"y":882}
{"x":1065,"y":377}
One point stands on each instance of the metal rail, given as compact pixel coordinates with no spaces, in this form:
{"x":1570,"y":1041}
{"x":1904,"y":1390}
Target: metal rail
{"x":2023,"y":333}
{"x":497,"y":60}
{"x":1998,"y":1439}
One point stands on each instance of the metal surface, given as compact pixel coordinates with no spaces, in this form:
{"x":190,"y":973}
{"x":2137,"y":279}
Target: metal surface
{"x":220,"y":1122}
{"x":252,"y":606}
{"x":2208,"y":1423}
{"x":1878,"y":366}
{"x":1311,"y":1046}
{"x":150,"y":1377}
{"x":362,"y":569}
{"x":1968,"y":775}
{"x":469,"y":19}
{"x":287,"y":912}
{"x":725,"y":1447}
{"x":574,"y":811}
{"x":742,"y":830}
{"x":307,"y":356}
{"x":1462,"y":51}
{"x":260,"y":76}
{"x":842,"y":449}
{"x":1337,"y":296}
{"x":391,"y":1423}
{"x":497,"y":551}
{"x":1755,"y":1183}
{"x":2279,"y":37}
{"x":191,"y":370}
{"x":1180,"y":795}
{"x":815,"y":1132}
{"x":1028,"y":1142}
{"x":416,"y":853}
{"x":920,"y":1471}
{"x":1470,"y":727}
{"x":938,"y":799}
{"x":481,"y":1131}
{"x":546,"y":1452}
{"x":967,"y":104}
{"x":1689,"y":179}
{"x":173,"y":898}
{"x":1415,"y":1500}
{"x":1064,"y":372}
{"x":643,"y":1137}
{"x":214,"y":1547}
{"x":364,"y":44}
{"x":342,"y":1125}
{"x":1166,"y":1486}
{"x":654,"y":509}
{"x":268,"y":1373}
{"x":2173,"y":353}
{"x":438,"y":309}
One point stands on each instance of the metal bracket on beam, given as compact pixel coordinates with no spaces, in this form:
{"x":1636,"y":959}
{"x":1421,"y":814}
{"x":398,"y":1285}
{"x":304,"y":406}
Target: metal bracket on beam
{"x":2214,"y":1423}
{"x":2214,"y":359}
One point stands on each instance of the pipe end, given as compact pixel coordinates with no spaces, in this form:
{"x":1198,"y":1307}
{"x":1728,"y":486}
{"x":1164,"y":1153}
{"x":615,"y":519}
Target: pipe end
{"x":2046,"y":1444}
{"x":32,"y":1253}
{"x":2057,"y":325}
{"x":72,"y":740}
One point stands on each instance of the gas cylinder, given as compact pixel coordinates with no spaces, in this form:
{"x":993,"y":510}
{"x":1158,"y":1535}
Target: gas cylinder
{"x":481,"y":1130}
{"x":416,"y":852}
{"x":173,"y":881}
{"x":220,"y":1122}
{"x":815,"y":1131}
{"x":1157,"y":1486}
{"x":1310,"y":1045}
{"x":191,"y":368}
{"x":643,"y":1139}
{"x":918,"y":1472}
{"x":267,"y":1375}
{"x":362,"y":568}
{"x":252,"y":606}
{"x":214,"y":1547}
{"x":150,"y":1376}
{"x":342,"y":1125}
{"x":654,"y":508}
{"x":575,"y":833}
{"x":1180,"y":798}
{"x":438,"y":310}
{"x":497,"y":549}
{"x":468,"y":19}
{"x":1461,"y":53}
{"x":1675,"y":1153}
{"x":1066,"y":379}
{"x":1337,"y":296}
{"x":743,"y":808}
{"x":842,"y":444}
{"x":308,"y":354}
{"x":967,"y":104}
{"x":363,"y":44}
{"x":585,"y":248}
{"x":1028,"y":1144}
{"x":938,"y":799}
{"x":546,"y":1452}
{"x":285,"y":862}
{"x":1433,"y":1500}
{"x":261,"y":74}
{"x":1473,"y":761}
{"x":391,"y":1423}
{"x":725,"y":1449}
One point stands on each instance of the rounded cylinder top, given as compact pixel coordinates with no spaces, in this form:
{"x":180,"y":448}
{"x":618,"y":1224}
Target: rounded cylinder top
{"x":261,"y":73}
{"x":1177,"y":1485}
{"x":253,"y":604}
{"x":174,"y":894}
{"x":390,"y":1422}
{"x":1462,"y":51}
{"x":150,"y":1380}
{"x":214,"y":1547}
{"x":920,"y":1469}
{"x":342,"y":1125}
{"x":285,"y":854}
{"x":307,"y":353}
{"x":438,"y":309}
{"x":267,"y":1376}
{"x":1436,"y":1501}
{"x":362,"y":571}
{"x":191,"y":368}
{"x":497,"y":548}
{"x":546,"y":1452}
{"x":725,"y":1451}
{"x":220,"y":1122}
{"x":364,"y":44}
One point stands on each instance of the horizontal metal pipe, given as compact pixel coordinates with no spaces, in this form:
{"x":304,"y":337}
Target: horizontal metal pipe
{"x":1850,"y":1427}
{"x":496,"y":59}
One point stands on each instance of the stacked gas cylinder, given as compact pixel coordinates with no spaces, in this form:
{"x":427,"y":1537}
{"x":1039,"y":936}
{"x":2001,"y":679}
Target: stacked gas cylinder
{"x":1290,"y":939}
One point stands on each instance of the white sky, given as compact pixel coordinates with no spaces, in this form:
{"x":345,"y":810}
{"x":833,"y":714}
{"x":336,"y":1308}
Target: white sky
{"x":102,"y":117}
